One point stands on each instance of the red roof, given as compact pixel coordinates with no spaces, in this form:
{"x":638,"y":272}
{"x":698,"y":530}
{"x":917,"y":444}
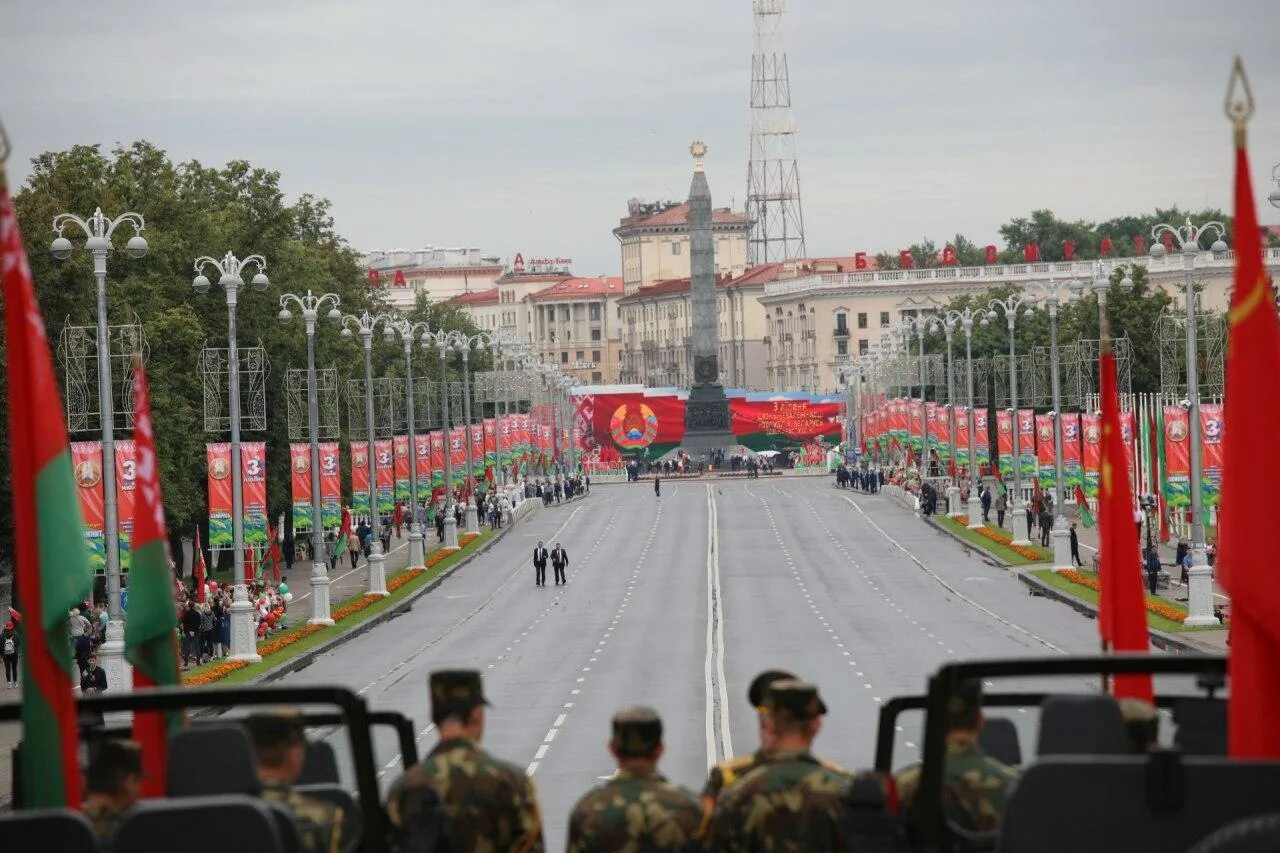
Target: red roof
{"x":679,"y":215}
{"x":514,"y":277}
{"x":580,"y":288}
{"x":478,"y":297}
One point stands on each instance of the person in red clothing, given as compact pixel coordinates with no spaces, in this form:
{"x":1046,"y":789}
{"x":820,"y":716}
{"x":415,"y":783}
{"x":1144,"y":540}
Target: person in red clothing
{"x":398,"y":518}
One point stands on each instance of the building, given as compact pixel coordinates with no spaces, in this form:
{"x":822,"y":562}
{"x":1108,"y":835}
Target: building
{"x":438,"y":273}
{"x":575,"y":324}
{"x":483,"y":308}
{"x":820,"y":322}
{"x":654,"y":240}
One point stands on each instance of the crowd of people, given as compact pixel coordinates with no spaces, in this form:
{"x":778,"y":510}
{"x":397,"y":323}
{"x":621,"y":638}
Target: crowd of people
{"x":856,"y":477}
{"x":204,"y":626}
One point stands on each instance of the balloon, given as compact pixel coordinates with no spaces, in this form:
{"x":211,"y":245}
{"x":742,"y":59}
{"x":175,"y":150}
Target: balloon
{"x":288,"y":596}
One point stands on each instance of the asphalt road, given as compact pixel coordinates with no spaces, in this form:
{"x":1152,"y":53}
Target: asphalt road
{"x":678,"y":602}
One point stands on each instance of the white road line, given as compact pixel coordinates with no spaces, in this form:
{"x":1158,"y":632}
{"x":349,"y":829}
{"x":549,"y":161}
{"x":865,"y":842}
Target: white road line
{"x":718,"y":746}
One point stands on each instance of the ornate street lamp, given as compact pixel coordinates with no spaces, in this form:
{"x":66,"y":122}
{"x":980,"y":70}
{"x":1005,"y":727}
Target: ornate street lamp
{"x":409,"y":332}
{"x":464,"y":344}
{"x":1009,"y":307}
{"x":98,"y":230}
{"x":443,"y":342}
{"x":964,"y":319}
{"x":311,"y":306}
{"x":229,"y":269}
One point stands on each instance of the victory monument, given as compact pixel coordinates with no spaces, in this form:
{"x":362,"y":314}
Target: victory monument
{"x":706,"y":415}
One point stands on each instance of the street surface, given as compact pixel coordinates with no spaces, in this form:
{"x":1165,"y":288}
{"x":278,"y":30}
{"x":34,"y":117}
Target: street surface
{"x":678,"y":602}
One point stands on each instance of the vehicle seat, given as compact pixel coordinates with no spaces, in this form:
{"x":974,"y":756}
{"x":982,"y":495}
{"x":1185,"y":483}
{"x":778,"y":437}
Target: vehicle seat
{"x":48,"y":829}
{"x":1201,"y":726}
{"x":1081,"y":725}
{"x":352,"y":817}
{"x":1258,"y":834}
{"x":999,"y":739}
{"x":1162,"y":802}
{"x":236,"y":822}
{"x":209,"y":760}
{"x":320,"y":767}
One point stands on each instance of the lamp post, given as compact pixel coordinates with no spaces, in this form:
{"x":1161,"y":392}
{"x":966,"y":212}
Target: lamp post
{"x":98,"y":230}
{"x":409,"y":332}
{"x":443,"y":341}
{"x":1200,"y":575}
{"x":495,"y":346}
{"x":464,"y":344}
{"x":964,"y":319}
{"x":948,"y":327}
{"x":229,"y":271}
{"x":1009,"y":307}
{"x":310,"y":306}
{"x":1047,"y":292}
{"x":919,"y":324}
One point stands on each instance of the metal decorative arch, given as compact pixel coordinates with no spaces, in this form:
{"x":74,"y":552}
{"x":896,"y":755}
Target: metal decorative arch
{"x":295,"y":392}
{"x":214,"y":375}
{"x":1211,"y":340}
{"x":78,"y":351}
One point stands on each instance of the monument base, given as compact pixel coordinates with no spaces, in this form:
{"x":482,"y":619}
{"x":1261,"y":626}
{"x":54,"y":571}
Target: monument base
{"x":707,"y":423}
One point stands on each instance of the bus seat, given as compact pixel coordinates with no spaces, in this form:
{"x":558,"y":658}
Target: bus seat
{"x":1201,"y":726}
{"x":48,"y":829}
{"x":320,"y":767}
{"x":1081,"y":725}
{"x":234,"y":822}
{"x":208,"y":760}
{"x":1256,"y":834}
{"x":352,"y":818}
{"x":999,"y":739}
{"x":1163,"y":803}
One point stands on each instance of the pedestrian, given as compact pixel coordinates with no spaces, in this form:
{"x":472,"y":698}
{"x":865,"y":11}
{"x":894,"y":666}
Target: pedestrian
{"x":206,"y":632}
{"x":9,"y":647}
{"x":1002,"y":505}
{"x":94,"y":678}
{"x":603,"y":819}
{"x":1183,"y":547}
{"x":657,"y":486}
{"x":190,"y":634}
{"x":1152,"y":564}
{"x":1046,"y":524}
{"x":353,"y":547}
{"x":480,"y":802}
{"x":1075,"y":547}
{"x":331,"y":549}
{"x":539,"y":564}
{"x":398,"y":519}
{"x":792,"y":801}
{"x":985,"y":497}
{"x":1031,"y":517}
{"x":559,"y":559}
{"x":1186,"y":564}
{"x":440,"y":525}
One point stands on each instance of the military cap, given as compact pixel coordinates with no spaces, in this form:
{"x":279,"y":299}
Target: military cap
{"x":637,"y":730}
{"x":964,"y":703}
{"x":793,"y":699}
{"x":456,"y":689}
{"x":280,"y":727}
{"x":760,"y":684}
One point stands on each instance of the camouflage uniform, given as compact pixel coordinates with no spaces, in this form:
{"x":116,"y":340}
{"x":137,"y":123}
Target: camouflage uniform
{"x":975,"y":787}
{"x":111,"y":762}
{"x":636,"y":812}
{"x":791,"y":801}
{"x":105,"y":820}
{"x":488,"y":804}
{"x":319,"y":823}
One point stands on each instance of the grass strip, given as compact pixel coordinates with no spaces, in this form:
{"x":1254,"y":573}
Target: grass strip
{"x":1090,"y":595}
{"x":1000,"y":550}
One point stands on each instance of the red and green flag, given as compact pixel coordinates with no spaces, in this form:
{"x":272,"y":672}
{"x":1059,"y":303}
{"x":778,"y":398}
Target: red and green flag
{"x":150,"y":633}
{"x":199,"y":569}
{"x":52,"y":568}
{"x":1082,"y":505}
{"x":1246,"y":525}
{"x":344,"y":533}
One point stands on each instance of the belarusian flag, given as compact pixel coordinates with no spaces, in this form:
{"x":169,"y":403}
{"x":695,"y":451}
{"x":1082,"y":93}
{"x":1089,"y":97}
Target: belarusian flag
{"x":199,"y":569}
{"x":52,"y":568}
{"x":340,"y":547}
{"x":150,"y":633}
{"x":1082,"y":504}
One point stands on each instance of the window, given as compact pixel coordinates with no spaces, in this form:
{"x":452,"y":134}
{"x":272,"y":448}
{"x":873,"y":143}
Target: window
{"x":578,"y":355}
{"x":862,"y":319}
{"x":677,"y":248}
{"x":597,"y":377}
{"x":862,"y":346}
{"x":564,"y":357}
{"x":842,"y":347}
{"x":595,"y":334}
{"x":593,"y":311}
{"x":884,"y":318}
{"x":842,"y":323}
{"x":595,"y":355}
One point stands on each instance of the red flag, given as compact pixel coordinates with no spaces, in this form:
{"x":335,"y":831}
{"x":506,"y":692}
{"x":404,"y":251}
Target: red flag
{"x":51,"y":567}
{"x":1245,"y":528}
{"x":272,"y":556}
{"x":15,"y":615}
{"x":199,"y":570}
{"x":1122,"y":609}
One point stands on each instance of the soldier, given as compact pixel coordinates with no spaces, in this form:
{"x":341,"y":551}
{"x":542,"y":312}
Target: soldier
{"x":791,"y":801}
{"x":280,"y":747}
{"x":459,"y":790}
{"x":727,"y":772}
{"x":976,"y":786}
{"x":112,"y":782}
{"x":637,"y":809}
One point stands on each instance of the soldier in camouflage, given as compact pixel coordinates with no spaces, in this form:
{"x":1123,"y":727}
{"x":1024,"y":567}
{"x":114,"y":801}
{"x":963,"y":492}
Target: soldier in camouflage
{"x":280,"y":746}
{"x":637,"y":809}
{"x":726,"y":773}
{"x":460,"y":791}
{"x":976,"y":787}
{"x":791,"y":801}
{"x":112,"y":782}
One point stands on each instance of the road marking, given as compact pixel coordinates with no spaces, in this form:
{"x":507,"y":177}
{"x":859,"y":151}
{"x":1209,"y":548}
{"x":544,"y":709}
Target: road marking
{"x":719,"y":743}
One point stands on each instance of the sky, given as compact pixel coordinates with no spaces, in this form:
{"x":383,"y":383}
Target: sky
{"x":526,"y":126}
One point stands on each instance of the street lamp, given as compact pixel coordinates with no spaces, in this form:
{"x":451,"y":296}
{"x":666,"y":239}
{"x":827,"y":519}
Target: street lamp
{"x":443,"y":342}
{"x":948,"y":327}
{"x":409,"y":332}
{"x":364,"y":326}
{"x":1200,"y":575}
{"x":919,"y":323}
{"x":1047,"y":292}
{"x":964,"y":319}
{"x":98,"y":230}
{"x":229,"y":271}
{"x":310,"y":306}
{"x":464,"y":344}
{"x":1009,"y":307}
{"x":496,"y":345}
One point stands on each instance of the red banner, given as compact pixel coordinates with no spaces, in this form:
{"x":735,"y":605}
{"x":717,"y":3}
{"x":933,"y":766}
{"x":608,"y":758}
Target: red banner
{"x":981,"y":441}
{"x":330,"y":485}
{"x":1177,"y":448}
{"x":1044,"y":441}
{"x":490,"y":447}
{"x":400,"y":444}
{"x":962,"y":437}
{"x":1004,"y":442}
{"x":437,"y":458}
{"x":253,"y":491}
{"x":422,"y":455}
{"x":477,"y":450}
{"x":300,"y":484}
{"x":941,"y":427}
{"x":386,"y":477}
{"x":1129,"y":435}
{"x":1071,"y":438}
{"x":914,"y":426}
{"x":1091,"y":439}
{"x":218,"y":459}
{"x":1211,"y":446}
{"x":360,"y":502}
{"x":457,"y":454}
{"x":126,"y":475}
{"x":86,"y":456}
{"x":791,"y":418}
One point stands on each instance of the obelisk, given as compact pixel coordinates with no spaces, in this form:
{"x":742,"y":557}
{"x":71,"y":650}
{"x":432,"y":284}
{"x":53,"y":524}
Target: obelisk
{"x":706,"y":414}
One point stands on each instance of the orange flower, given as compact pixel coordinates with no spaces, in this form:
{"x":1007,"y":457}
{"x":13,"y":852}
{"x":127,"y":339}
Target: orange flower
{"x":403,"y":578}
{"x":287,"y":639}
{"x":1159,"y":608}
{"x":214,"y":673}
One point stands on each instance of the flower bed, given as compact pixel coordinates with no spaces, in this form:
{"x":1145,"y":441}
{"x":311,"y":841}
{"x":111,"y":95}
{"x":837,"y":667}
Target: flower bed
{"x":403,"y":578}
{"x":355,"y":605}
{"x":1159,"y":608}
{"x":215,"y":673}
{"x":270,"y":647}
{"x":997,"y":535}
{"x":467,"y":538}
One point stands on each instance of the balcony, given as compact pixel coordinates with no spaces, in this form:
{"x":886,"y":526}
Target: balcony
{"x":809,"y":334}
{"x":841,"y":333}
{"x":787,"y":337}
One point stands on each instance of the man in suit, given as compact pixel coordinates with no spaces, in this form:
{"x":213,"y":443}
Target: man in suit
{"x":559,"y":559}
{"x":540,"y":564}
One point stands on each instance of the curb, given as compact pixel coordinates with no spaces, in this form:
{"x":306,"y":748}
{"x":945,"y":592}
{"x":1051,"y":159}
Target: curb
{"x":1160,"y":639}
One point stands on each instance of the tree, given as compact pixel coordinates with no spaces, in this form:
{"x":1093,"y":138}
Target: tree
{"x":193,"y":210}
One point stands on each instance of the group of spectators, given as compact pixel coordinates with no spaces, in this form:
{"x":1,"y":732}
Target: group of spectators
{"x":205,"y":626}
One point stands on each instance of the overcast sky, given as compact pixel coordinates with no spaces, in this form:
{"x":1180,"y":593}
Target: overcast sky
{"x":525,"y":126}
